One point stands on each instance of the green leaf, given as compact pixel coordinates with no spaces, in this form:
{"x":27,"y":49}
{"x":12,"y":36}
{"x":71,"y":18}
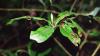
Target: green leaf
{"x":67,"y":31}
{"x":80,"y":30}
{"x":94,"y":33}
{"x":41,"y":34}
{"x":10,"y":22}
{"x":52,"y":18}
{"x":49,"y":19}
{"x":62,"y":15}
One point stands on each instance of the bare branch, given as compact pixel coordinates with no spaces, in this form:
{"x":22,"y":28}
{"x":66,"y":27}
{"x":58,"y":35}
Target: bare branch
{"x":27,"y":9}
{"x":95,"y":51}
{"x":73,"y":6}
{"x":62,"y":47}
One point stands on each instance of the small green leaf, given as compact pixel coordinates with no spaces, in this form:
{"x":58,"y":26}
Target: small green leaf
{"x":67,"y":31}
{"x":62,"y":15}
{"x":49,"y":19}
{"x":10,"y":22}
{"x":52,"y":19}
{"x":41,"y":34}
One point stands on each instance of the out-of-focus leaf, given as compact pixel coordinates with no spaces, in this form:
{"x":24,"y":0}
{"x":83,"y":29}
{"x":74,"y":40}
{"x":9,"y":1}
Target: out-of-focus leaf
{"x":94,"y":33}
{"x":41,"y":34}
{"x":50,"y":2}
{"x":97,"y":18}
{"x":95,"y":11}
{"x":10,"y":22}
{"x":67,"y":31}
{"x":45,"y":52}
{"x":30,"y":51}
{"x":62,"y":15}
{"x":42,"y":2}
{"x":10,"y":53}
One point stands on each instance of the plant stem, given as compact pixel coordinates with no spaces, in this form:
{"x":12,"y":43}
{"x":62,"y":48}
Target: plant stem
{"x":95,"y":51}
{"x":62,"y":47}
{"x":93,"y":42}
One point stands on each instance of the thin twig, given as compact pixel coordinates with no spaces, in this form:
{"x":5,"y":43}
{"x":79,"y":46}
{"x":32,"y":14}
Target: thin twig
{"x":23,"y":3}
{"x":93,"y":42}
{"x":84,"y":41}
{"x":27,"y":9}
{"x":80,"y":5}
{"x":95,"y":51}
{"x":73,"y":6}
{"x":8,"y":40}
{"x":18,"y":47}
{"x":62,"y":47}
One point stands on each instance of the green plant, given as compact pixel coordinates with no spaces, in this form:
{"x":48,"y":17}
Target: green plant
{"x":62,"y":21}
{"x":44,"y":32}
